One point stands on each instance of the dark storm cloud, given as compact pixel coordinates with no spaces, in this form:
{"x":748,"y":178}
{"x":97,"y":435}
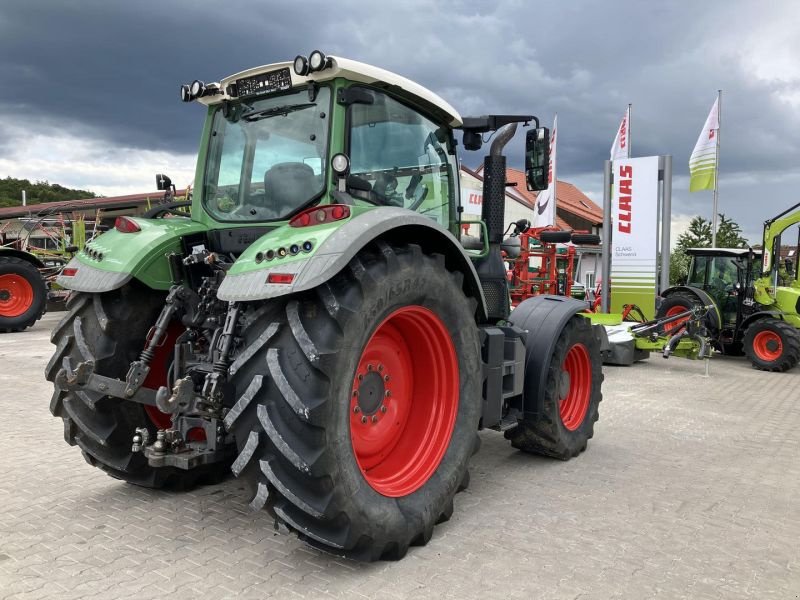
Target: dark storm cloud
{"x":114,"y":67}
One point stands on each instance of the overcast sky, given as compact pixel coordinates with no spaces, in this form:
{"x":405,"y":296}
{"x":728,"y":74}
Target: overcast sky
{"x":90,"y":87}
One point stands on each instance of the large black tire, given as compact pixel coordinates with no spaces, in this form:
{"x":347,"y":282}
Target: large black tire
{"x":587,"y":239}
{"x":110,"y":328}
{"x":23,"y":294}
{"x":555,"y":237}
{"x":296,"y":382}
{"x":675,"y":304}
{"x":772,"y":345}
{"x":565,"y":434}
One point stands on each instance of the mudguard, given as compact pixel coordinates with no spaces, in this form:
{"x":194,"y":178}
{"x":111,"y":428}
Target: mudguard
{"x":247,"y":280}
{"x":23,"y":255}
{"x":764,"y":314}
{"x":715,"y":319}
{"x":113,"y":258}
{"x":543,"y":318}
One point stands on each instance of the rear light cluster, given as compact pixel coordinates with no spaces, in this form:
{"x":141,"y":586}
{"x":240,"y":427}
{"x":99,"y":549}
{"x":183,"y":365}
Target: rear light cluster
{"x":69,"y":272}
{"x":126,"y":225}
{"x":284,"y":251}
{"x":320,"y":214}
{"x":280,"y":278}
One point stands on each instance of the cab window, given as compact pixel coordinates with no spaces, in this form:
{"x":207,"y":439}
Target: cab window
{"x":400,"y":158}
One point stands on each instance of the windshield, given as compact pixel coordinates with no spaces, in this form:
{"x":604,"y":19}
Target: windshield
{"x":267,"y":157}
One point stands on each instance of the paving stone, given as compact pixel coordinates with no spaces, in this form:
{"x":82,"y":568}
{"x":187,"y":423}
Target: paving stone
{"x":689,"y":490}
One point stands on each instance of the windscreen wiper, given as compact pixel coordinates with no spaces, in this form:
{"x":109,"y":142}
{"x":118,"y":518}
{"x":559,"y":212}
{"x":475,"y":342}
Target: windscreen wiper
{"x":257,"y":115}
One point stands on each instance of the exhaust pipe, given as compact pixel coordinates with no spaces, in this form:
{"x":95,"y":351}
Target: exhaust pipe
{"x":491,"y":269}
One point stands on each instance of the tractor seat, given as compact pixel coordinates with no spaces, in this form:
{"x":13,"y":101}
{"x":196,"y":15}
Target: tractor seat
{"x":287,"y":186}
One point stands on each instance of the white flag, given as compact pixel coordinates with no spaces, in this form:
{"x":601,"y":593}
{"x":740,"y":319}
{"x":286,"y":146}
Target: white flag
{"x":621,"y":146}
{"x":544,"y":213}
{"x":703,"y":162}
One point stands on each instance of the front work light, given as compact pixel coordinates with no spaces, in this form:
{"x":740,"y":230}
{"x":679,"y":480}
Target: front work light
{"x":301,"y":65}
{"x":197,"y":88}
{"x":186,"y":95}
{"x":317,"y":61}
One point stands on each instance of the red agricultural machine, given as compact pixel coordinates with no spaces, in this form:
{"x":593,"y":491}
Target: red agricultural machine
{"x":542,"y":260}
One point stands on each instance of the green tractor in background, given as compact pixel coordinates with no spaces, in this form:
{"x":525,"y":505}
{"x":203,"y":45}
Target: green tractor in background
{"x":316,"y":325}
{"x":755,"y":298}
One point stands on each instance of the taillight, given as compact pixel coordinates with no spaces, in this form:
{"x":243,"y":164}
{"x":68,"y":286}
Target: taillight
{"x":126,"y":225}
{"x":280,"y":278}
{"x":320,"y":214}
{"x":70,"y":272}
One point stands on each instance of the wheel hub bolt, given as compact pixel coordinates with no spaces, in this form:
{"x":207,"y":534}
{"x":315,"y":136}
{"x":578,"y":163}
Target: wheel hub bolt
{"x":356,"y":409}
{"x":355,"y":393}
{"x":360,"y":377}
{"x":363,"y":419}
{"x":369,"y":367}
{"x":380,"y":367}
{"x":387,"y":393}
{"x":383,"y":409}
{"x":374,"y":418}
{"x":386,"y":378}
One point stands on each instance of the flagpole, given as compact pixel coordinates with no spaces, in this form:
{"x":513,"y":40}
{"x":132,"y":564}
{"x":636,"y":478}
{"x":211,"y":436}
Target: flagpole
{"x":716,"y":173}
{"x":629,"y":129}
{"x":555,"y":176}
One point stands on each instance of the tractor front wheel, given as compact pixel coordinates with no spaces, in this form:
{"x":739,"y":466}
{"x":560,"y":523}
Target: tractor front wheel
{"x":358,"y":403}
{"x":23,"y":294}
{"x":772,"y":345}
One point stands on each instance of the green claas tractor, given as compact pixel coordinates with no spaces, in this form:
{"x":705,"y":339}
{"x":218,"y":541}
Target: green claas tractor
{"x":755,"y":297}
{"x":316,"y":325}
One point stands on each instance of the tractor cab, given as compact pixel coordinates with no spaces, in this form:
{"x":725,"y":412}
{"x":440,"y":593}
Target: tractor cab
{"x":727,"y":275}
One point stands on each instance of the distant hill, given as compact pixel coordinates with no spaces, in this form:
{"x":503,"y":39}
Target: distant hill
{"x":41,"y":191}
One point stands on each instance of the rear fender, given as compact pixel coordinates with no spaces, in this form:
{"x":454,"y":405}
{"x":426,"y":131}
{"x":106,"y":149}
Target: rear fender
{"x":22,"y":255}
{"x":542,"y":318}
{"x":247,"y":279}
{"x":114,"y":258}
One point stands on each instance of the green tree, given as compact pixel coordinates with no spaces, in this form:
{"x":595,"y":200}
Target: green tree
{"x":729,"y":234}
{"x":698,"y":235}
{"x":41,"y":191}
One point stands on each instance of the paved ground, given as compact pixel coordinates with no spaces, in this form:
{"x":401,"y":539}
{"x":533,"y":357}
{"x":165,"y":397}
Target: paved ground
{"x":690,"y":489}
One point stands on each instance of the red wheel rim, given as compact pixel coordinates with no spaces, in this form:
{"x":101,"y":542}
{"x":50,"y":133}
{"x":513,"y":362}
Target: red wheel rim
{"x":575,"y":387}
{"x":674,"y":326}
{"x":768,"y":345}
{"x":404,"y":401}
{"x":158,"y":375}
{"x":16,"y":295}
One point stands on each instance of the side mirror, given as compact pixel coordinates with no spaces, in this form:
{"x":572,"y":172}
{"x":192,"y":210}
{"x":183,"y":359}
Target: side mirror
{"x":163,"y":182}
{"x":537,"y":158}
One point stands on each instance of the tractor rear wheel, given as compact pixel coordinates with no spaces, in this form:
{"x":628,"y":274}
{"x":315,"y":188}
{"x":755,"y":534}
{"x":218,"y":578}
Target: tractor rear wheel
{"x":23,"y":294}
{"x":358,"y":403}
{"x":110,"y":329}
{"x":571,"y":400}
{"x":772,"y":345}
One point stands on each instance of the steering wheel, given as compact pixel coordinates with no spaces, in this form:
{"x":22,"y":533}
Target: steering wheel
{"x":420,"y":193}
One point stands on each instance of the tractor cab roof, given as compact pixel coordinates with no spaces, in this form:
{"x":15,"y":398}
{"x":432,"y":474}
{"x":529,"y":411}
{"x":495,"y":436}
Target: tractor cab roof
{"x":734,"y":252}
{"x":347,"y":69}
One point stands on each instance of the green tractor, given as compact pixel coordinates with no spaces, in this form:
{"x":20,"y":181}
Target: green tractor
{"x":755,"y":298}
{"x":316,"y":325}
